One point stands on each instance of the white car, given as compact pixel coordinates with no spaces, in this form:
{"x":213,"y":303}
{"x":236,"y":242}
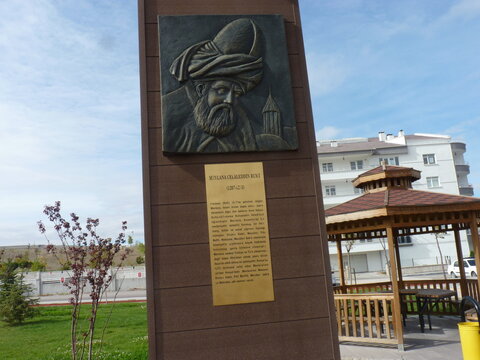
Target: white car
{"x":468,"y":264}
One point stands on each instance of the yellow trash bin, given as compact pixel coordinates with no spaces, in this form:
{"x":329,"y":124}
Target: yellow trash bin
{"x":470,"y":339}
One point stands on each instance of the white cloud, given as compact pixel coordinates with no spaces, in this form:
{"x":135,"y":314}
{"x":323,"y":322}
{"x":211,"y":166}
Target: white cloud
{"x":69,"y":115}
{"x":326,"y":72}
{"x":386,"y":30}
{"x":463,"y":130}
{"x":327,"y":133}
{"x":463,"y":9}
{"x":459,"y":12}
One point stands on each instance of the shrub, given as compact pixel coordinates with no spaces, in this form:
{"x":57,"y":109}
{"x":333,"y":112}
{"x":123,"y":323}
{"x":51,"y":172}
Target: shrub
{"x":140,"y":260}
{"x":23,"y":262}
{"x":140,"y":247}
{"x":38,"y":266}
{"x":66,"y":266}
{"x":15,"y":306}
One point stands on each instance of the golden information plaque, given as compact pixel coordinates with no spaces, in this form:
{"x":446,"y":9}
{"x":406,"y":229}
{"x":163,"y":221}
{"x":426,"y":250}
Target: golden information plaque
{"x":238,"y":234}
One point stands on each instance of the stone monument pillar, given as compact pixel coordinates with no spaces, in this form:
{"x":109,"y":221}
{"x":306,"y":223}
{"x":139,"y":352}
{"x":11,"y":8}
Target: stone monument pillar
{"x":236,"y":249}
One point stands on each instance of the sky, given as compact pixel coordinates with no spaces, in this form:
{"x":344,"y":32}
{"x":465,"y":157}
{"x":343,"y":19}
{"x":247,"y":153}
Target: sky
{"x":70,"y":95}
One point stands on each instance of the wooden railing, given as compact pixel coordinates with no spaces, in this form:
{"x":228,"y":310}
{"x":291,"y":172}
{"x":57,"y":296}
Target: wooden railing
{"x":472,"y":289}
{"x":366,"y":318}
{"x":444,"y":307}
{"x":363,"y":288}
{"x":365,"y":315}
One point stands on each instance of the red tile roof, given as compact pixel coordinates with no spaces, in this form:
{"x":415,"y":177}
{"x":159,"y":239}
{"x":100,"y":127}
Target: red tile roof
{"x":398,"y":198}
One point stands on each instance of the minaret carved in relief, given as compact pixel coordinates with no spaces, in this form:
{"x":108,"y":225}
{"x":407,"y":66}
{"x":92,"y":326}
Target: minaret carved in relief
{"x":272,"y":121}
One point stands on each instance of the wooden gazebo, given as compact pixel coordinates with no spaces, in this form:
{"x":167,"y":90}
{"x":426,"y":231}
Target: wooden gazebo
{"x":390,"y":208}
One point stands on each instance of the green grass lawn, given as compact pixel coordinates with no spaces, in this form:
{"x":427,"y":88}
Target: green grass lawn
{"x":47,"y":336}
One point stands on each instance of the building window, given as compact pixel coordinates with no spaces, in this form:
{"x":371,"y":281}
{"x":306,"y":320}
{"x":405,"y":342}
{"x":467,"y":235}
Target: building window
{"x":330,"y":190}
{"x":356,"y":165}
{"x":389,"y":161}
{"x":327,"y":167}
{"x":429,"y":159}
{"x":402,"y":240}
{"x":357,"y":191}
{"x":432,"y":182}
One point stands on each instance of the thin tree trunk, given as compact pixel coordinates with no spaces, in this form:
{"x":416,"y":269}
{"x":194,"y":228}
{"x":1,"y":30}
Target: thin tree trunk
{"x":75,"y":316}
{"x":441,"y":257}
{"x":92,"y":328}
{"x":349,"y":269}
{"x":387,"y":261}
{"x":74,"y":333}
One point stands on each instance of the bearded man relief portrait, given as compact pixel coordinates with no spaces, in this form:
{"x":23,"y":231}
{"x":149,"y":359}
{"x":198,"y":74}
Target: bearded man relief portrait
{"x":225,"y":84}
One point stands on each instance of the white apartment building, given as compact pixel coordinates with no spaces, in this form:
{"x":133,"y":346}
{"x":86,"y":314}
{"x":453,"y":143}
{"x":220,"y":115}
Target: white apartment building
{"x":443,"y":169}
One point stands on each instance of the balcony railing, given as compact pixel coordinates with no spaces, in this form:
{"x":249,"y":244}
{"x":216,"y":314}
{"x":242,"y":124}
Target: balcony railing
{"x":458,"y":146}
{"x":466,"y":190}
{"x":346,"y":170}
{"x":463,"y":168}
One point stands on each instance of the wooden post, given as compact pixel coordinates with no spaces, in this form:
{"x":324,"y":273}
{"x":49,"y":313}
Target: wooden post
{"x":399,"y":263}
{"x":458,"y":245}
{"x":340,"y":264}
{"x":397,"y":314}
{"x":476,"y":243}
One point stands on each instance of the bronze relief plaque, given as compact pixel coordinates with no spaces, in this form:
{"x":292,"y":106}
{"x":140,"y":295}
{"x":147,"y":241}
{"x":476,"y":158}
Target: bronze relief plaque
{"x":225,"y":84}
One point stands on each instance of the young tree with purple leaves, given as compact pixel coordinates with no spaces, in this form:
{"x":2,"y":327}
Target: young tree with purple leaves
{"x":91,"y":260}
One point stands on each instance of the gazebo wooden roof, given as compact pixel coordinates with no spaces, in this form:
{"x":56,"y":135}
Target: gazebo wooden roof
{"x":390,"y":208}
{"x":389,"y":198}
